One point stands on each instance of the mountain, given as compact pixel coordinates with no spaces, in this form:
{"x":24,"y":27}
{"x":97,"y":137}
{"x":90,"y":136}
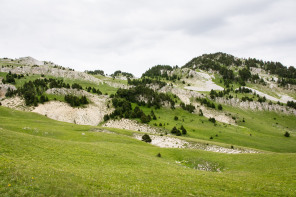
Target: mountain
{"x":219,"y":125}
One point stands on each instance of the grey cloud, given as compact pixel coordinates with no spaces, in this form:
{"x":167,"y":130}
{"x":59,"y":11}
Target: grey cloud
{"x":137,"y":34}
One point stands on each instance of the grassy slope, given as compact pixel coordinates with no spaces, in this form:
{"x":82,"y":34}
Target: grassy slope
{"x":265,"y":133}
{"x":104,"y":88}
{"x":59,"y":160}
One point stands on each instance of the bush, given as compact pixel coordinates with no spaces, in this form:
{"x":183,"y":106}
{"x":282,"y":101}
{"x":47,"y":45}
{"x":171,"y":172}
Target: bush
{"x":220,"y":107}
{"x":158,"y":155}
{"x":174,"y":130}
{"x":75,"y":101}
{"x":287,"y":134}
{"x":106,"y":117}
{"x":213,"y":120}
{"x":146,"y":138}
{"x":184,"y":131}
{"x":176,"y":118}
{"x":178,"y":133}
{"x":200,"y":112}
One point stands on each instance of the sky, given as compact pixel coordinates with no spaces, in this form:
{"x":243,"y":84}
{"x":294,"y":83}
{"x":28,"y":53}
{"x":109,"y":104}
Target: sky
{"x":134,"y":35}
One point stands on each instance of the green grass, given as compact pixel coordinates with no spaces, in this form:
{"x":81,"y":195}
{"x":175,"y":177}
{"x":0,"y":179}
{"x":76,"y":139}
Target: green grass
{"x":104,"y":88}
{"x":51,"y":158}
{"x":259,"y":131}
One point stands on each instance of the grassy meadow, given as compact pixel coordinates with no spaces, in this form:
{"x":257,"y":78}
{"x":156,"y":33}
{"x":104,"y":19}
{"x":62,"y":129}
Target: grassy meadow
{"x":44,"y":157}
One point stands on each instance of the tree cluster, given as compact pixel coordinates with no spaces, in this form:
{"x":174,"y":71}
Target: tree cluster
{"x":144,"y":81}
{"x":33,"y":91}
{"x":126,"y":74}
{"x":291,"y":104}
{"x":10,"y":78}
{"x":179,"y":132}
{"x":190,"y":108}
{"x":206,"y":102}
{"x":149,"y":96}
{"x":157,"y":71}
{"x":220,"y":61}
{"x":75,"y":101}
{"x":93,"y":90}
{"x":95,"y":72}
{"x":243,"y":90}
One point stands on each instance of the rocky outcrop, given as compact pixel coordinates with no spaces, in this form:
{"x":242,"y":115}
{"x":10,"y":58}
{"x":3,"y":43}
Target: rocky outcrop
{"x":47,"y":70}
{"x":131,"y":125}
{"x":4,"y":88}
{"x":17,"y":103}
{"x":218,"y":115}
{"x":173,"y":142}
{"x":256,"y":106}
{"x":89,"y":115}
{"x":184,"y":95}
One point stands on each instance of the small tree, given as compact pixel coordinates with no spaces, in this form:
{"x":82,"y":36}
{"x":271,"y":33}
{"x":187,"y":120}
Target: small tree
{"x":174,"y":130}
{"x":200,"y":112}
{"x":220,"y":107}
{"x":184,"y":131}
{"x":287,"y":134}
{"x":146,"y":138}
{"x":213,"y":120}
{"x":178,"y":133}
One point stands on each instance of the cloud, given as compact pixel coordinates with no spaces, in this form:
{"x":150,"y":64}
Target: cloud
{"x":133,"y":35}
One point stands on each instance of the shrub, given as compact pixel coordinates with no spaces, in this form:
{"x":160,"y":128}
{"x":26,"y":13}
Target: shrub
{"x":158,"y":155}
{"x":176,"y":118}
{"x":220,"y":107}
{"x":106,"y":117}
{"x":174,"y":130}
{"x":287,"y":134}
{"x":178,"y":133}
{"x":213,"y":120}
{"x":184,"y":131}
{"x":146,"y":138}
{"x":200,"y":112}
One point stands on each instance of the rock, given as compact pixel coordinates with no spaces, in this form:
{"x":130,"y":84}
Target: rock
{"x":131,"y":125}
{"x":4,"y":88}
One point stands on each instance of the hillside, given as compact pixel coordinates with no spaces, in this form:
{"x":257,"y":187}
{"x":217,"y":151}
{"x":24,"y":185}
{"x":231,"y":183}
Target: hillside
{"x":219,"y":125}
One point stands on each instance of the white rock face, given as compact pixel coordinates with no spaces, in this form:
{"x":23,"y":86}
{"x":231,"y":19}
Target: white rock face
{"x":283,"y":99}
{"x":219,"y":116}
{"x":254,"y":105}
{"x":130,"y":125}
{"x":201,"y":81}
{"x":165,"y":141}
{"x":16,"y":103}
{"x":184,"y":95}
{"x":30,"y":61}
{"x":4,"y":88}
{"x":92,"y":114}
{"x":47,"y":70}
{"x":172,"y":142}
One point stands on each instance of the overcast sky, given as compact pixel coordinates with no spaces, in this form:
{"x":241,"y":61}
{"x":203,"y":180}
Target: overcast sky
{"x":133,"y":35}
